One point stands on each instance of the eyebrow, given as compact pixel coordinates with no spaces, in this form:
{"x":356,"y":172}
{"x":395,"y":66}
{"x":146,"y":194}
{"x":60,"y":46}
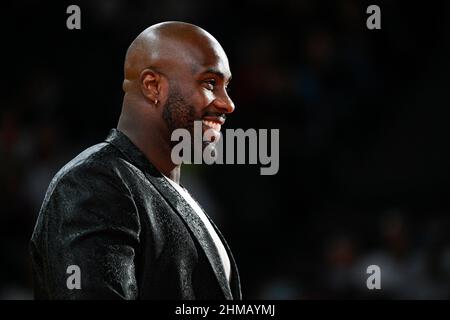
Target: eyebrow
{"x":217,"y":73}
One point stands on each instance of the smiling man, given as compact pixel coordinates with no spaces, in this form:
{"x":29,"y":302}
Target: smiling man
{"x":117,"y":212}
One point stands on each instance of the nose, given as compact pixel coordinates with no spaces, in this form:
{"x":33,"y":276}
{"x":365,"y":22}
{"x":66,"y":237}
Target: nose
{"x":224,"y":103}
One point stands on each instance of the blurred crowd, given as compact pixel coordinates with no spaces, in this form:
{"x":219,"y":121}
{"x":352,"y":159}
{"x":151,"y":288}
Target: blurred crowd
{"x":363,"y":170}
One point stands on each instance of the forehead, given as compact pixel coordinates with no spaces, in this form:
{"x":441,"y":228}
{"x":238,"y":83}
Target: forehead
{"x":210,"y":58}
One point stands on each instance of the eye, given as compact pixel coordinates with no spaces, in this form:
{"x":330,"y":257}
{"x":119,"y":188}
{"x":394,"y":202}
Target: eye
{"x":211,"y":83}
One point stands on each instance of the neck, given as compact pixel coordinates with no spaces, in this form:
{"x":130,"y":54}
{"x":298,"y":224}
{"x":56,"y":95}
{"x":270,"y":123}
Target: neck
{"x":152,"y":142}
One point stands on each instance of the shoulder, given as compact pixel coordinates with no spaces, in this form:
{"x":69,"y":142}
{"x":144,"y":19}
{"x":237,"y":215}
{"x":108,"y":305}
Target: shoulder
{"x":98,"y":170}
{"x":89,"y":190}
{"x":100,"y":161}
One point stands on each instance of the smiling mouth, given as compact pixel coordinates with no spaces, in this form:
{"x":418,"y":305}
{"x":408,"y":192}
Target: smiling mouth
{"x":212,"y":124}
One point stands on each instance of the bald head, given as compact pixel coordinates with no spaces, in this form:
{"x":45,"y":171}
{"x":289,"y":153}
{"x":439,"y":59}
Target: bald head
{"x":170,"y":47}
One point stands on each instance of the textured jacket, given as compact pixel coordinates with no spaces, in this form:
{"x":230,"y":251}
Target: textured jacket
{"x":113,"y":215}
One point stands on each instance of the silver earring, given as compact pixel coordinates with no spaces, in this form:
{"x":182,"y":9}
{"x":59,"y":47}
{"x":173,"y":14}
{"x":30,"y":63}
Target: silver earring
{"x":156,"y":102}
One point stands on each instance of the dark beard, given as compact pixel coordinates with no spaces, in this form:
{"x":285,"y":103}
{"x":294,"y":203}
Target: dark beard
{"x":177,"y":113}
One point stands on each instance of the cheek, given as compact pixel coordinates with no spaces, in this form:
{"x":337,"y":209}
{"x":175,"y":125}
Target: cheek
{"x":209,"y":96}
{"x":202,"y":99}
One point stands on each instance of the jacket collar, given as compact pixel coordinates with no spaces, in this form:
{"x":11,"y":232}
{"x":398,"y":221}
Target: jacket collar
{"x":131,"y":151}
{"x":184,"y":210}
{"x":235,"y":280}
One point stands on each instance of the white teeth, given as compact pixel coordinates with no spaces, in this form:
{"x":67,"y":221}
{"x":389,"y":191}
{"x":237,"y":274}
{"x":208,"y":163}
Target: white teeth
{"x":213,"y":125}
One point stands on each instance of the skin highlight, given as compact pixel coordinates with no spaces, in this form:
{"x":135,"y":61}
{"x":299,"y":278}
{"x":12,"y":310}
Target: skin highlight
{"x":175,"y":73}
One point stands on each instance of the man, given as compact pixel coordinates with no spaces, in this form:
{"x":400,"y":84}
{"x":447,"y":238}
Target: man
{"x":116,"y":214}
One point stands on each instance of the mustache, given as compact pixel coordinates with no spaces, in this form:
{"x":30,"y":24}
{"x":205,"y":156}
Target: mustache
{"x":215,"y":114}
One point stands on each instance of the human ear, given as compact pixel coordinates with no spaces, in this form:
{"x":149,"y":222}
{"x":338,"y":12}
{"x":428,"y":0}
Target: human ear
{"x":150,"y":84}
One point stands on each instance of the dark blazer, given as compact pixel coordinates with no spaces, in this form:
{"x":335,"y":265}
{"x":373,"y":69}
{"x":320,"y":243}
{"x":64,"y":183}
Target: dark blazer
{"x":110,"y":212}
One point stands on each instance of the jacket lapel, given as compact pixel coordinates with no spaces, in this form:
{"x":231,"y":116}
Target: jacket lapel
{"x":179,"y":205}
{"x":196,"y":226}
{"x":235,"y":279}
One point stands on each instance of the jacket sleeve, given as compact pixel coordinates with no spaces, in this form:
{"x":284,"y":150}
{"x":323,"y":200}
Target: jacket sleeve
{"x":92,"y":236}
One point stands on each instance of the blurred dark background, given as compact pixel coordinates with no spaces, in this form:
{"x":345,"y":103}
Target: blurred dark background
{"x":363,"y":118}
